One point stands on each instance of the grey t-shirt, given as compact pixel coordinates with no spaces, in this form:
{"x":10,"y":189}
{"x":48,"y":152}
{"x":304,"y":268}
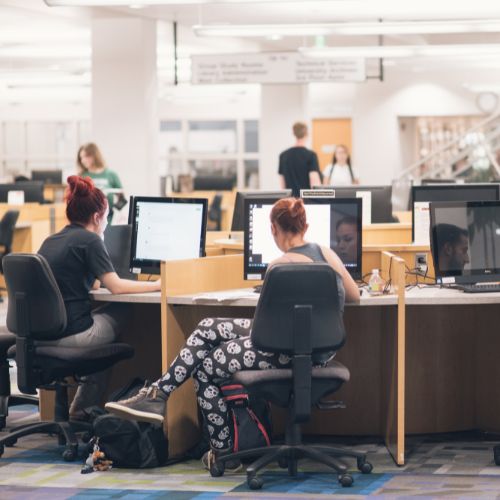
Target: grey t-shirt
{"x":77,"y":257}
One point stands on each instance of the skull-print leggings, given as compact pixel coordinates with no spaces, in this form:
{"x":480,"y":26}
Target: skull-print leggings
{"x":216,"y":350}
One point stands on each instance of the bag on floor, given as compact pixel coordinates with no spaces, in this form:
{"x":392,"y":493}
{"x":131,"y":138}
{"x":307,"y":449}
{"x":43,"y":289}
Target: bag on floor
{"x":249,"y":418}
{"x":130,"y":444}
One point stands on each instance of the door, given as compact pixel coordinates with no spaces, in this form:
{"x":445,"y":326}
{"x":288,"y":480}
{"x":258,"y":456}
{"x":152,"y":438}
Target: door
{"x":328,"y":133}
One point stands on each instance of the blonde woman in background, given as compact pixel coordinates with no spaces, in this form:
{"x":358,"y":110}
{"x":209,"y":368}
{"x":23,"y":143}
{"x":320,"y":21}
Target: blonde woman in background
{"x":339,"y":171}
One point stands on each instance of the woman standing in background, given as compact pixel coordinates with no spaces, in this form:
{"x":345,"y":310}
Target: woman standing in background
{"x":91,"y":164}
{"x":339,"y":171}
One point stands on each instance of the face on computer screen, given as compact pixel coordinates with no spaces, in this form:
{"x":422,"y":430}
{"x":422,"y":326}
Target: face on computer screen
{"x":347,"y":241}
{"x":455,"y":255}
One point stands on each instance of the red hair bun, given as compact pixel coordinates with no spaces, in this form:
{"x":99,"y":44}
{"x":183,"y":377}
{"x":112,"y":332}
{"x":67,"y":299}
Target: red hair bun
{"x":290,"y":215}
{"x":83,"y":200}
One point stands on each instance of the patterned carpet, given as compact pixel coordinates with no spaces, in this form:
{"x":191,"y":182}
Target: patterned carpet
{"x":458,"y":466}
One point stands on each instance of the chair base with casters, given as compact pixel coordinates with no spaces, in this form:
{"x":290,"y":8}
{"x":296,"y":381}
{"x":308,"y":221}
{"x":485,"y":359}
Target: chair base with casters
{"x":7,"y":340}
{"x":276,"y":386}
{"x":59,"y":362}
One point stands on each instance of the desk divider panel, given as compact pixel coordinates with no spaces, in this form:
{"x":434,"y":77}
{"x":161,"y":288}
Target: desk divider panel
{"x":393,"y":378}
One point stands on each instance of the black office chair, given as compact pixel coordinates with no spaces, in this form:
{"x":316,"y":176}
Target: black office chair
{"x":215,"y":212}
{"x":7,"y":340}
{"x":7,"y":226}
{"x":298,"y":315}
{"x":35,"y":313}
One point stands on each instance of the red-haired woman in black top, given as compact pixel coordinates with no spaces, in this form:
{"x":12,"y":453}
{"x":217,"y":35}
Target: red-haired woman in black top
{"x":79,"y":260}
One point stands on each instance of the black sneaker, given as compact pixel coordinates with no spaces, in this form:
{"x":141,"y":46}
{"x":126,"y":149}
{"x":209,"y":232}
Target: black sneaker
{"x":146,"y":406}
{"x":232,"y":465}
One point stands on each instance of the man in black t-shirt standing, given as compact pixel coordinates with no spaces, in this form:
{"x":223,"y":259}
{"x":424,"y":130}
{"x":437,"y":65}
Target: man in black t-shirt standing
{"x":299,"y":168}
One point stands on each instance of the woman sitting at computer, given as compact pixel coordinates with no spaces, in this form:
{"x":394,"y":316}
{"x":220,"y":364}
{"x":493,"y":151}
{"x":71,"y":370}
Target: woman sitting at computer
{"x":77,"y":257}
{"x":219,"y":347}
{"x":339,"y":171}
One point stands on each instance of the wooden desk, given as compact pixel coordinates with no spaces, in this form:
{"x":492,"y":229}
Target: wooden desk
{"x":387,"y":234}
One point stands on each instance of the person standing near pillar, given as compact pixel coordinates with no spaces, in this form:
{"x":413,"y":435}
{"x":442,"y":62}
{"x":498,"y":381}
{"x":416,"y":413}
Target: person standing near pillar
{"x":298,"y":165}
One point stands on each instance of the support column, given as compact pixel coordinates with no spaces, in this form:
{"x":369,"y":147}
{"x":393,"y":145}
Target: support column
{"x":280,"y":107}
{"x":125,"y":99}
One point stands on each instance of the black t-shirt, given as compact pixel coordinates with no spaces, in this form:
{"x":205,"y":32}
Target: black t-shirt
{"x":77,"y":257}
{"x":295,"y":165}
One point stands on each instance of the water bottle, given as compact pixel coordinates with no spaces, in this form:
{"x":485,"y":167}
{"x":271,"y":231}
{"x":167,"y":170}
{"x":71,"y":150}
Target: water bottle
{"x":376,"y":283}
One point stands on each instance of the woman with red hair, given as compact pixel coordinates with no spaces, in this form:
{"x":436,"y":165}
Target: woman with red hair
{"x":219,"y":347}
{"x":79,"y":260}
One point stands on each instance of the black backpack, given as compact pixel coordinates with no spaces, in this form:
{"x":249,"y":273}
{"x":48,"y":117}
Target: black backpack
{"x":130,"y":444}
{"x":127,"y":443}
{"x":249,"y":418}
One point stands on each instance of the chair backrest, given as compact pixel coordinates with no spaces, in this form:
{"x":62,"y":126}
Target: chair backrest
{"x":117,"y":240}
{"x":288,"y":291}
{"x":29,"y":280}
{"x":7,"y":225}
{"x":215,"y":210}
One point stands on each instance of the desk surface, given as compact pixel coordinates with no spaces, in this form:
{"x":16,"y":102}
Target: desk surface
{"x":428,"y":296}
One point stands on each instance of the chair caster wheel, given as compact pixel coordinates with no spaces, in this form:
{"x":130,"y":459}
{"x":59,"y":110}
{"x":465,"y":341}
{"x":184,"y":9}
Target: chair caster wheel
{"x":364,"y":467}
{"x":3,"y":422}
{"x":255,"y":483}
{"x":346,"y":480}
{"x":496,"y":454}
{"x":217,"y":469}
{"x":70,"y":454}
{"x":10,"y":442}
{"x":283,"y":463}
{"x":2,"y":449}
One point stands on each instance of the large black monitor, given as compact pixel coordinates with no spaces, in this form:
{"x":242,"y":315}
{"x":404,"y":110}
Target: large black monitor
{"x":335,"y":223}
{"x":166,"y":229}
{"x":33,"y":191}
{"x":47,"y":176}
{"x":381,"y":198}
{"x":427,"y":182}
{"x":238,"y":223}
{"x":465,"y":241}
{"x":421,"y":196}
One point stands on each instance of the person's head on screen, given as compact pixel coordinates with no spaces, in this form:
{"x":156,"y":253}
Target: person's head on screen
{"x":341,"y":155}
{"x":86,"y":205}
{"x":300,"y":131}
{"x":452,"y":247}
{"x":346,"y":235}
{"x":89,"y":158}
{"x":288,"y":223}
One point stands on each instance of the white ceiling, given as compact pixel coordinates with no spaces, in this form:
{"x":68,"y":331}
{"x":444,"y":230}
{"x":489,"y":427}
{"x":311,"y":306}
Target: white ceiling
{"x":45,"y":52}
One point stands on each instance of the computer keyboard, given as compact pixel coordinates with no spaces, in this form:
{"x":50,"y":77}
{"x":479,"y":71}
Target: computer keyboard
{"x":480,"y":288}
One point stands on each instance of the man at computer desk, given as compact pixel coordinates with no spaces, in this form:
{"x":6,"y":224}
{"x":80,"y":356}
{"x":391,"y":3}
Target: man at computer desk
{"x":453,"y":247}
{"x":220,"y":347}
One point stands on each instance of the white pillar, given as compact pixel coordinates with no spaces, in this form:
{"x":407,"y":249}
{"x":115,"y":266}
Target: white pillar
{"x":124,"y":100}
{"x":280,"y":107}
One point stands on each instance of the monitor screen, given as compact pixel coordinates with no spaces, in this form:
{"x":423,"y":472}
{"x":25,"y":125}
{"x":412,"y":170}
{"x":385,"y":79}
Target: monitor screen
{"x":238,"y":222}
{"x":33,"y":191}
{"x":47,"y":176}
{"x":464,"y":239}
{"x":334,"y":223}
{"x":381,"y":203}
{"x":166,"y":229}
{"x":423,"y":195}
{"x":213,"y":183}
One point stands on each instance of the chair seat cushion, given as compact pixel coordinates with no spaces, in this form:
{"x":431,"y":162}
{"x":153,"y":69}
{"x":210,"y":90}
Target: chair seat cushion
{"x":55,"y":362}
{"x":276,"y":384}
{"x":7,"y":340}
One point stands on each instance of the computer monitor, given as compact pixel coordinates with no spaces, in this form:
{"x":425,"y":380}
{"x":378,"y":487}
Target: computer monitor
{"x":423,"y":195}
{"x":33,"y":191}
{"x":381,"y":199}
{"x":427,"y":182}
{"x":333,"y":222}
{"x":213,"y":183}
{"x":465,"y":241}
{"x":117,"y":242}
{"x":238,"y":223}
{"x":47,"y":176}
{"x":166,"y":229}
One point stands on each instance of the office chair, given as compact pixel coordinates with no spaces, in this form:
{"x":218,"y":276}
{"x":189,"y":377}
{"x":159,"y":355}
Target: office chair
{"x":298,"y":315}
{"x":36,"y":312}
{"x":7,"y":226}
{"x":215,"y":211}
{"x":7,"y":340}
